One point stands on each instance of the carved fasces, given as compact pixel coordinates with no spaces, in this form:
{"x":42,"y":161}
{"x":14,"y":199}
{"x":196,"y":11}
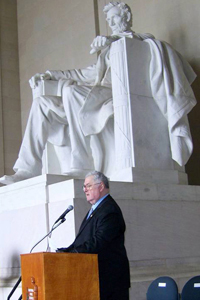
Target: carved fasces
{"x":121,"y":105}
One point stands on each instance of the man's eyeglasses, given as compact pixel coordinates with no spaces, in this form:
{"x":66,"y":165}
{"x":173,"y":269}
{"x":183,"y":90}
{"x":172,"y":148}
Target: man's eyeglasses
{"x":88,"y":187}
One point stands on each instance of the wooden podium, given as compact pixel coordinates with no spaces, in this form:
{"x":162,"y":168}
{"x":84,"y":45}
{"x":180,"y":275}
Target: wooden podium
{"x":61,"y":276}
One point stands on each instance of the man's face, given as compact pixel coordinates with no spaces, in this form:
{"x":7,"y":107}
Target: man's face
{"x":92,"y":190}
{"x":116,"y":21}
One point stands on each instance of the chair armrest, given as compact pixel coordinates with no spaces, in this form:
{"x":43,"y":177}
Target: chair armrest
{"x":45,"y":88}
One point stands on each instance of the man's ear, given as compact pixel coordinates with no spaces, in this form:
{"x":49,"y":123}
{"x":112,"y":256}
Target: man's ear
{"x":102,"y":186}
{"x":128,"y":14}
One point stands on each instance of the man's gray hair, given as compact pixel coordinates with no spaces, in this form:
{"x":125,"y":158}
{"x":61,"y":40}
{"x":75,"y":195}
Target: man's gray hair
{"x":98,"y":176}
{"x":125,"y":9}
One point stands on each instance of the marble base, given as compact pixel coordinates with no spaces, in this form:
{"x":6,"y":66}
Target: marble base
{"x":150,"y":175}
{"x":162,"y":226}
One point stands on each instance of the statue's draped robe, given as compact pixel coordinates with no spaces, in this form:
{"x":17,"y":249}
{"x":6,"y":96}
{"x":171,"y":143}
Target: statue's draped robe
{"x":170,"y":80}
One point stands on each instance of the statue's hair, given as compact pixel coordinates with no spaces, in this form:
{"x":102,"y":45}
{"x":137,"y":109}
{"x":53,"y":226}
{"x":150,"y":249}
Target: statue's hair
{"x":125,"y":9}
{"x":98,"y":176}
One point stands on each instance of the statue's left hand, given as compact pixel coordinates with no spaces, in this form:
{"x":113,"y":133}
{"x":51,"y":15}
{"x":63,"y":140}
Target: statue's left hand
{"x":99,"y":43}
{"x":38,"y":77}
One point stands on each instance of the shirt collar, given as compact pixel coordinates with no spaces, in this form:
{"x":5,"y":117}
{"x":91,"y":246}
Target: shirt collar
{"x":94,"y":206}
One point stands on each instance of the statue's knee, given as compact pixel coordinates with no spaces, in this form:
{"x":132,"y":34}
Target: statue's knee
{"x":42,"y":99}
{"x":39,"y":102}
{"x":36,"y":101}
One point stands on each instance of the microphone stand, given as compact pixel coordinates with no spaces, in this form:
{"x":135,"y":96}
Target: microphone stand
{"x":49,"y":233}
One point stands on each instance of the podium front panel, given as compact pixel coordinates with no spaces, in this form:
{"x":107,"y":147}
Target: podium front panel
{"x":62,"y":276}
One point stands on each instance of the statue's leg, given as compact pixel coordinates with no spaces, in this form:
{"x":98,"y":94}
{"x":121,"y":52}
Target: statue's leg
{"x":46,"y":115}
{"x":45,"y":112}
{"x":73,"y":100}
{"x":103,"y":149}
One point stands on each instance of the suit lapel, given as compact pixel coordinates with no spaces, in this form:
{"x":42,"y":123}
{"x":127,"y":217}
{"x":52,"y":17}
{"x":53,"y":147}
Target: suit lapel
{"x":83,"y":223}
{"x":86,"y":221}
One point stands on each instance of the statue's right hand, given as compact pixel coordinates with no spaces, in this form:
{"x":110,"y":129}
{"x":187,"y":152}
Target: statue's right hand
{"x":99,"y":43}
{"x":38,"y":77}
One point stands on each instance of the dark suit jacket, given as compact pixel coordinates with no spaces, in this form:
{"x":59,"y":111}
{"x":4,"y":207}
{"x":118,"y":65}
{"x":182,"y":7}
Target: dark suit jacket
{"x":103,"y":233}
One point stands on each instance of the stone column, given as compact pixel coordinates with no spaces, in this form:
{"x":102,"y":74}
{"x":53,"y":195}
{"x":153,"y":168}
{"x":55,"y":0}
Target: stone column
{"x":10,"y":114}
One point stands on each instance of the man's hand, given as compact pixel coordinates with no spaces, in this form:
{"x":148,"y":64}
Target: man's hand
{"x":99,"y":43}
{"x":38,"y":77}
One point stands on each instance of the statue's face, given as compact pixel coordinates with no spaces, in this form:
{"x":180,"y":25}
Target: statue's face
{"x":116,"y":21}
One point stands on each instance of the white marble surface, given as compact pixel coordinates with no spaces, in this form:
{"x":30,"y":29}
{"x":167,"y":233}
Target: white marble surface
{"x":27,"y":193}
{"x":151,"y":175}
{"x":22,"y":228}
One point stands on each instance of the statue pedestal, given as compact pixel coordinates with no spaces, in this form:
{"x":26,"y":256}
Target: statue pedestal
{"x":162,"y":223}
{"x":150,"y":175}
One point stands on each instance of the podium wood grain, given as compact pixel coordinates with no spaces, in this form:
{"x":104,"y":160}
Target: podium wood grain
{"x":61,"y":276}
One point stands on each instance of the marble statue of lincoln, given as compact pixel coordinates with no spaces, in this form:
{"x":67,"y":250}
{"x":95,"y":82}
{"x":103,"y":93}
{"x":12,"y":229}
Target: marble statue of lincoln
{"x":83,"y":110}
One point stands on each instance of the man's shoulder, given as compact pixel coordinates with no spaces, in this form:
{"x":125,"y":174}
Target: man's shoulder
{"x":109,"y":204}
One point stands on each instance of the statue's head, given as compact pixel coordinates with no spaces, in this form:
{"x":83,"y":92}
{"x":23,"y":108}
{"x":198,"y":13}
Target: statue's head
{"x":118,"y":16}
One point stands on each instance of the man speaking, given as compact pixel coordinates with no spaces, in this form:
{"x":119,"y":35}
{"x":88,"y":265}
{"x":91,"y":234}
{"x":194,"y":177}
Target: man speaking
{"x":102,"y":232}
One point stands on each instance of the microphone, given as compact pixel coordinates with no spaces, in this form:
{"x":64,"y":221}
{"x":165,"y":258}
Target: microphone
{"x":70,"y":207}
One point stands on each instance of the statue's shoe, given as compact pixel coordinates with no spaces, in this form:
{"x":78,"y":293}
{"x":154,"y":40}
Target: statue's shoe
{"x":18,"y":176}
